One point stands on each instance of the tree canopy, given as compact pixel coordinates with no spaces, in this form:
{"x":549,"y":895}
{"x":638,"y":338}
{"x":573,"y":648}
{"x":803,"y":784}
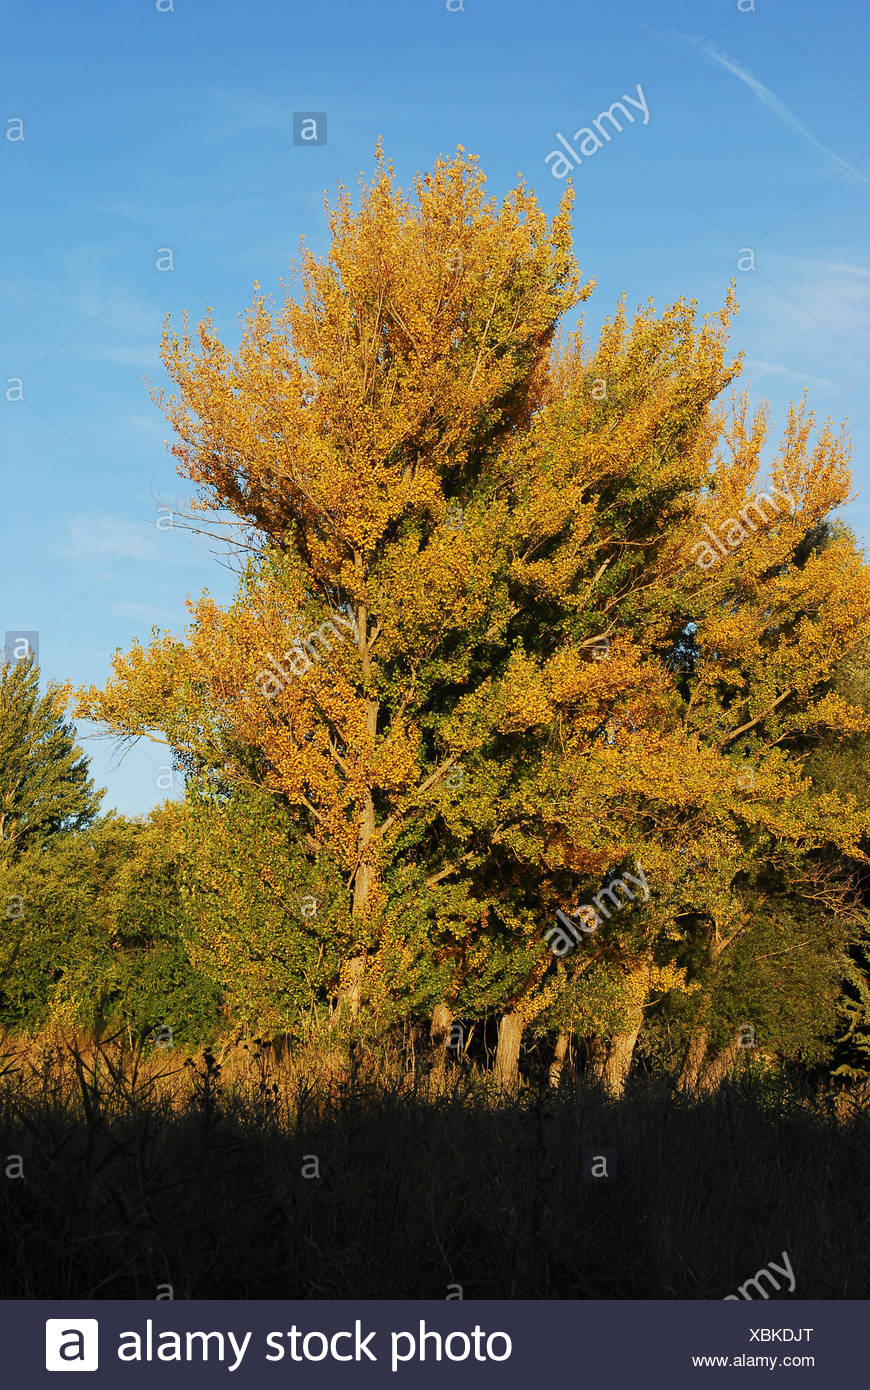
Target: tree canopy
{"x":521,"y":615}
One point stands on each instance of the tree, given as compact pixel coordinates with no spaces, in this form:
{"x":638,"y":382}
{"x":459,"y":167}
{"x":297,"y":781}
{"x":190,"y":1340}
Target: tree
{"x":44,"y":782}
{"x":852,"y":1035}
{"x":834,"y":763}
{"x":801,"y":907}
{"x":350,"y":430}
{"x":100,"y":934}
{"x":684,"y":746}
{"x":265,"y":920}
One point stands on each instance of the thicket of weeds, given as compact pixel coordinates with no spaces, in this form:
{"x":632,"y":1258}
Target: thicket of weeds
{"x":240,"y":1174}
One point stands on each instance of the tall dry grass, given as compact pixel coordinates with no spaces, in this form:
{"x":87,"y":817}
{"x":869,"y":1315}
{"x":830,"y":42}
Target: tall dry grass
{"x":145,"y":1169}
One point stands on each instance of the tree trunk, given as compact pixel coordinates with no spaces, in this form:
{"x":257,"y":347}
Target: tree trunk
{"x":350,"y":988}
{"x":350,"y":993}
{"x":719,"y":1068}
{"x":559,"y":1058}
{"x":694,"y":1059}
{"x":439,"y":1034}
{"x":690,"y":1079}
{"x":619,"y":1056}
{"x":507,"y":1057}
{"x":596,"y":1049}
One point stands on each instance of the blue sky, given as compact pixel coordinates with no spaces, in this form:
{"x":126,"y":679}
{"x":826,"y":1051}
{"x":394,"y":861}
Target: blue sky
{"x":148,"y":129}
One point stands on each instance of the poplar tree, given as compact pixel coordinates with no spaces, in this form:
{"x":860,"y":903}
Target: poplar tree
{"x":354,"y":432}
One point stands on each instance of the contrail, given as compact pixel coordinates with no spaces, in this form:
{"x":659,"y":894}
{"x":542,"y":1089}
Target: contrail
{"x":770,"y":100}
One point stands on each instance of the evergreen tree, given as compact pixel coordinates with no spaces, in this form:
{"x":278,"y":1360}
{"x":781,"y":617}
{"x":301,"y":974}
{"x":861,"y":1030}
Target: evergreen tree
{"x":852,"y":1053}
{"x":44,"y":782}
{"x":836,"y":763}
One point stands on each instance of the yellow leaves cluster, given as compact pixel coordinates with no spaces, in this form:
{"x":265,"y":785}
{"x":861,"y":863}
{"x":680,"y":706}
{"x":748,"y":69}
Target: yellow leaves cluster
{"x":584,"y":692}
{"x":536,"y":1002}
{"x":419,"y":336}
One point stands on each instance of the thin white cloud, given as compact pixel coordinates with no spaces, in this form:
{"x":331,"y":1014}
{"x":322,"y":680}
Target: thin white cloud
{"x":838,"y":267}
{"x":801,"y":304}
{"x":101,"y":536}
{"x":128,"y":356}
{"x":771,"y":101}
{"x":105,"y":284}
{"x":148,"y":612}
{"x":145,"y":424}
{"x":753,"y":365}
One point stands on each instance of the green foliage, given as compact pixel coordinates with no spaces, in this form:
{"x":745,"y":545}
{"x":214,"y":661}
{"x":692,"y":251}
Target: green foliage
{"x":266,"y":926}
{"x":44,"y":783}
{"x":93,"y":936}
{"x":781,"y":976}
{"x":852,"y":1053}
{"x":845,"y":762}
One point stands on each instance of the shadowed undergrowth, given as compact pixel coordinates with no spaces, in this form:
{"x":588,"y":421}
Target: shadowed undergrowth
{"x":244,"y":1178}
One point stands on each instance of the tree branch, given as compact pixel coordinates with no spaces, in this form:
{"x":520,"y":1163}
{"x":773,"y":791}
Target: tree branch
{"x":751,"y":723}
